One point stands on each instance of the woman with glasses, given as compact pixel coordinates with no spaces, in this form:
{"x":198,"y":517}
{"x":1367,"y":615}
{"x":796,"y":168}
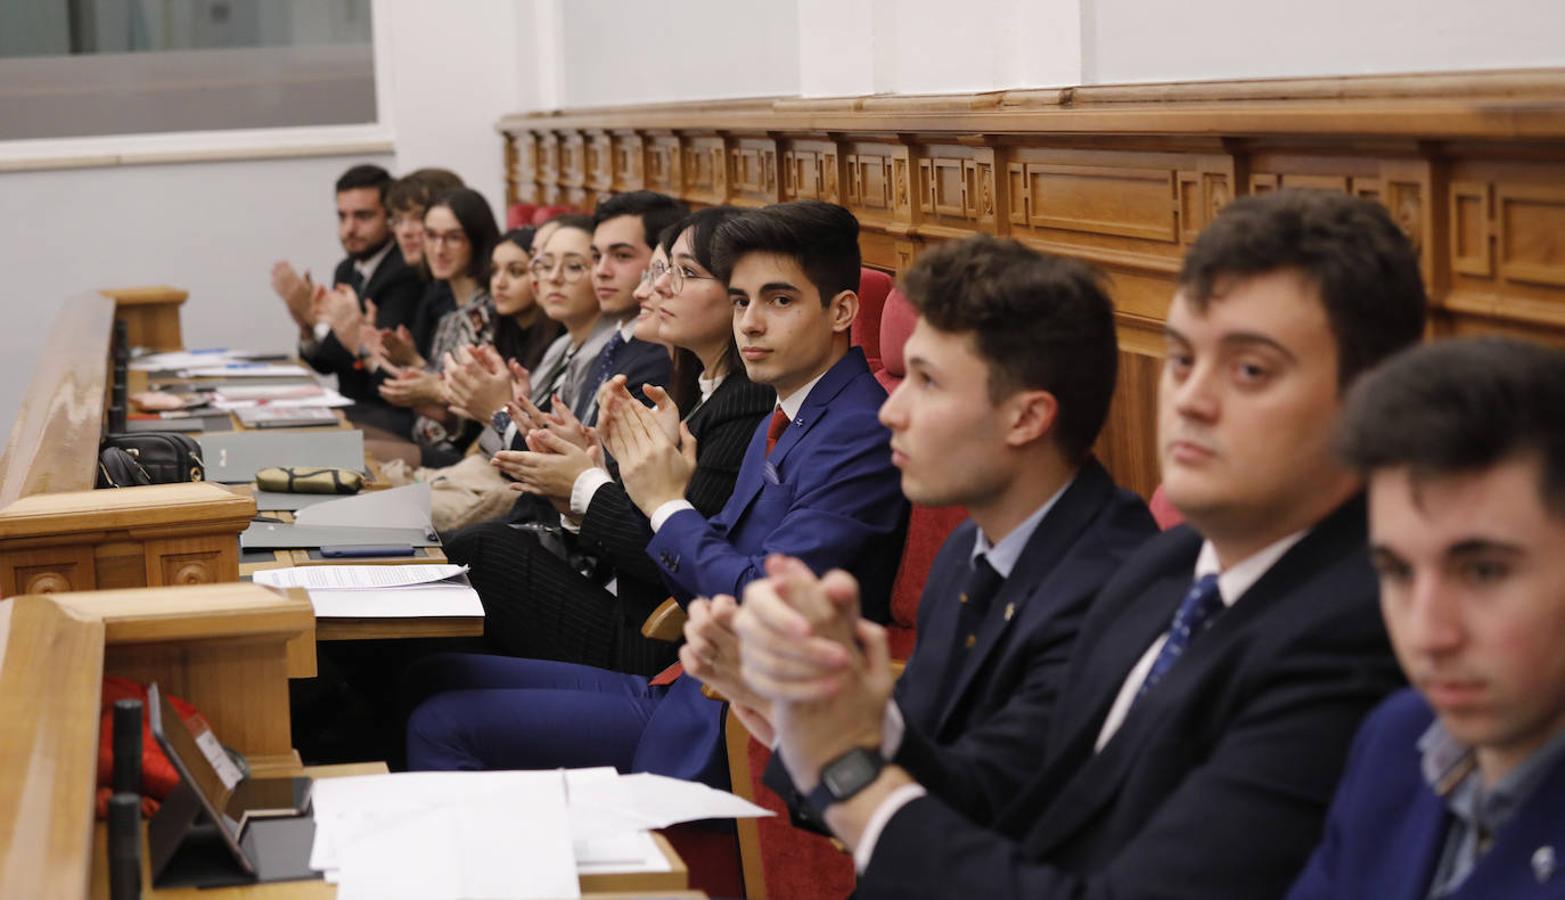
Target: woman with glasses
{"x":562,"y":281}
{"x":459,"y":235}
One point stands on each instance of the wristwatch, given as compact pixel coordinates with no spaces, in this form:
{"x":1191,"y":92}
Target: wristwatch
{"x":845,"y":776}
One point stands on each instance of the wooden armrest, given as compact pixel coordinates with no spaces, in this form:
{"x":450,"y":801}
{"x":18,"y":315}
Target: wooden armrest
{"x":666,"y":623}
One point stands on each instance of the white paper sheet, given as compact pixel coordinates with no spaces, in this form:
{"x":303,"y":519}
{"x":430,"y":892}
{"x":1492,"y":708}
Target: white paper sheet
{"x":635,"y":851}
{"x":418,"y":601}
{"x":445,"y":834}
{"x":403,"y":507}
{"x":659,"y":801}
{"x":356,"y":577}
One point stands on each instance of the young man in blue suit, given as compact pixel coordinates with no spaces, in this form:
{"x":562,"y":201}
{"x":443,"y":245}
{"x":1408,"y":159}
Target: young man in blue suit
{"x":1456,"y":786}
{"x":1011,"y":368}
{"x":816,"y":482}
{"x":1213,"y":691}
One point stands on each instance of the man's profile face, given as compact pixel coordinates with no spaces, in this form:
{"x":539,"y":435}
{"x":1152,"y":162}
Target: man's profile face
{"x":1247,"y":404}
{"x":362,"y":225}
{"x":947,"y":435}
{"x":619,"y":255}
{"x":1472,"y":587}
{"x":785,"y":335}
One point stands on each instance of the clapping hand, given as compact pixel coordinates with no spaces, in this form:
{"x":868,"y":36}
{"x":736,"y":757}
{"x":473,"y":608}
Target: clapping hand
{"x":654,"y":467}
{"x":295,"y":291}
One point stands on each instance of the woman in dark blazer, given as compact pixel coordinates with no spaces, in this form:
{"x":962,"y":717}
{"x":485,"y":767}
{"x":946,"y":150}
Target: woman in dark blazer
{"x":542,"y":604}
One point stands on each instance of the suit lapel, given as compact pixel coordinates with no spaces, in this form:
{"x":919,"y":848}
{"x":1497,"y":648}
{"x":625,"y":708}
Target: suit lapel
{"x":389,"y":267}
{"x":1419,"y":844}
{"x":918,"y":690}
{"x":1099,"y":779}
{"x":758,"y":467}
{"x":1034,"y":574}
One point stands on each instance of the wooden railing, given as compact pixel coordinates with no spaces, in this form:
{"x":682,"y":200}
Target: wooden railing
{"x":1471,"y":165}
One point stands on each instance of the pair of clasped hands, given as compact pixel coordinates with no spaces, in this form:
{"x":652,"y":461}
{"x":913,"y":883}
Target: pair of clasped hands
{"x":654,"y":450}
{"x":804,"y":672}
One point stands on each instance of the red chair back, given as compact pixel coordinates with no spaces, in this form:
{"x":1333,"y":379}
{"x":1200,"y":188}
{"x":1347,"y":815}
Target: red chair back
{"x":874,"y":285}
{"x":897,"y":318}
{"x":520,"y":214}
{"x":1163,"y":512}
{"x":544,"y":213}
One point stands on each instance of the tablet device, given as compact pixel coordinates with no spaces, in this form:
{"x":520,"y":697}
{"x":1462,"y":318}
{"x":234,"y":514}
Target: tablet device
{"x":202,"y":763}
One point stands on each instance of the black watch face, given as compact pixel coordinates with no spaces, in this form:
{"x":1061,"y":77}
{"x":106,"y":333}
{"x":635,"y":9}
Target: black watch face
{"x":850,"y":773}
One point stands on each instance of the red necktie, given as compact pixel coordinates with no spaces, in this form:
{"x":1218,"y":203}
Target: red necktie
{"x":775,"y":431}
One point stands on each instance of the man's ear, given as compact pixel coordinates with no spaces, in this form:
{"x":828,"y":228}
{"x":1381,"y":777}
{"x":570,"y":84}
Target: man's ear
{"x":844,"y":309}
{"x":1032,"y":415}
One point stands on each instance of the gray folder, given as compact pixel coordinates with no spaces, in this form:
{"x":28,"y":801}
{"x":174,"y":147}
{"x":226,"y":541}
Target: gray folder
{"x":234,"y":457}
{"x":275,"y":536}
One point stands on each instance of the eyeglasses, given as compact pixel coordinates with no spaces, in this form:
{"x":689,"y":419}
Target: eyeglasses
{"x":572,"y":267}
{"x":436,"y":238}
{"x":676,"y":276}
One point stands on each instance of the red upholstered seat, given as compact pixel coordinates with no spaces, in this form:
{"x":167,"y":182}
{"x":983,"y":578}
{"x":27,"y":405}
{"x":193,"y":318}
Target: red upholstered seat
{"x":544,"y":213}
{"x":874,"y":285}
{"x":520,"y":214}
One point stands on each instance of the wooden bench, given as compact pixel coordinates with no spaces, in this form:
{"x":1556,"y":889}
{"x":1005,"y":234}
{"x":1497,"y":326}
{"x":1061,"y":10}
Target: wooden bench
{"x":56,"y":532}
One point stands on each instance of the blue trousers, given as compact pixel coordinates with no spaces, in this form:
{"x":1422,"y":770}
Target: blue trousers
{"x":477,"y":712}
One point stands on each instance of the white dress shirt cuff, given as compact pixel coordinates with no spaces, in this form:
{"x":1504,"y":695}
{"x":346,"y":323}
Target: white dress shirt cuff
{"x":892,"y":727}
{"x":878,"y":819}
{"x":666,"y":511}
{"x":585,"y":488}
{"x":321,"y":330}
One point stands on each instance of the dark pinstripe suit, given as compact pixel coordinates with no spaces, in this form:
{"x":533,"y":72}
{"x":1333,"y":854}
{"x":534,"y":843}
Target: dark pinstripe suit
{"x":537,"y":606}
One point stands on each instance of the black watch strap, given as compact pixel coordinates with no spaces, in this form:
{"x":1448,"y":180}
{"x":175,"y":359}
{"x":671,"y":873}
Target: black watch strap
{"x":843,"y":777}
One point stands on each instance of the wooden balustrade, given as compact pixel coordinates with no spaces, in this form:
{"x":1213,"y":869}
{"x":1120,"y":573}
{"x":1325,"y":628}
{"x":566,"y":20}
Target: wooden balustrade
{"x":1472,"y":165}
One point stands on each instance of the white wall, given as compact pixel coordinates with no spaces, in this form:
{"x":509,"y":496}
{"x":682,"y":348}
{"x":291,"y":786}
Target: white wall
{"x":1137,"y":40}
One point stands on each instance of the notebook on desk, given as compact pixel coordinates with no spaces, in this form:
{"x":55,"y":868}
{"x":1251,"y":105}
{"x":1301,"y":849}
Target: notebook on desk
{"x":235,"y":457}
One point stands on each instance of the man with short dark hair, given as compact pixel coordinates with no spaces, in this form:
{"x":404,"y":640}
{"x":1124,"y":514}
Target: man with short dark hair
{"x":1456,"y":786}
{"x":329,"y":317}
{"x":1217,"y":680}
{"x":1010,"y":369}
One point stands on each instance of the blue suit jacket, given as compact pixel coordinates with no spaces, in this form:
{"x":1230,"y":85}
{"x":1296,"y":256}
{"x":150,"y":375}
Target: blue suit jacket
{"x":975,"y":720}
{"x":1387,"y":828}
{"x":828,"y":495}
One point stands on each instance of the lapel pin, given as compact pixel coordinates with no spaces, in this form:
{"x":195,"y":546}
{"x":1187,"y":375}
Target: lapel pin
{"x":1543,"y":863}
{"x":1010,"y":611}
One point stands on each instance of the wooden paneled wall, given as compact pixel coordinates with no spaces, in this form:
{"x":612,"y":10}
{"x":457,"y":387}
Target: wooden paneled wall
{"x":1472,"y":166}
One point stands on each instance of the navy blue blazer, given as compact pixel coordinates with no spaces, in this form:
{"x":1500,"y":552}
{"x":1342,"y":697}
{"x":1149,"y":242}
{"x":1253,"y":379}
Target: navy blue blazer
{"x":1387,"y":828}
{"x":1218,"y":781}
{"x":828,"y":494}
{"x":978,"y":742}
{"x":642,"y":363}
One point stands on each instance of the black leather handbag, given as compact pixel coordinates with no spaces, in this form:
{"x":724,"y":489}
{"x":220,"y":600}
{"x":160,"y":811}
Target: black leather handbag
{"x":163,"y":457}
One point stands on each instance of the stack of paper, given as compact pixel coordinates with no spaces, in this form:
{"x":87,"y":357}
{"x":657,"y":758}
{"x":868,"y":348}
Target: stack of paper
{"x":498,"y":834}
{"x":291,"y":396}
{"x":246,"y":370}
{"x":188,"y":359}
{"x":380,"y":592}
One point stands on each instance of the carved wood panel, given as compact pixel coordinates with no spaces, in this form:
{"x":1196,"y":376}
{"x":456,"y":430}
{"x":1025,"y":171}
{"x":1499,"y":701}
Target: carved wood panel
{"x":664,"y":164}
{"x":753,"y":171}
{"x":811,"y":170}
{"x":629,"y":158}
{"x":47,"y":570}
{"x":705,"y":166}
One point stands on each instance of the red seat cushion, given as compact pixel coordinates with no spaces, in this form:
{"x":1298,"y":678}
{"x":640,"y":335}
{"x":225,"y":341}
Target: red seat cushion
{"x":520,"y":214}
{"x":874,"y":285}
{"x":798,"y":864}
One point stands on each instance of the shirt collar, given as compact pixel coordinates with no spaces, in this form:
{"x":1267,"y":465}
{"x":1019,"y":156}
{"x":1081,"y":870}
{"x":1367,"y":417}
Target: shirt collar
{"x":627,"y":329}
{"x":709,"y":386}
{"x":794,"y":402}
{"x":1240,"y":577}
{"x":366,"y":267}
{"x":1002,"y":557}
{"x":1451,"y":770}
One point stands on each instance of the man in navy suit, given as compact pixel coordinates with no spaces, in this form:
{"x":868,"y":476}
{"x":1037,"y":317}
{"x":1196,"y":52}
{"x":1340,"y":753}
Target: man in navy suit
{"x":1011,"y":368}
{"x":816,"y":482}
{"x":1456,"y":786}
{"x":1213,"y":691}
